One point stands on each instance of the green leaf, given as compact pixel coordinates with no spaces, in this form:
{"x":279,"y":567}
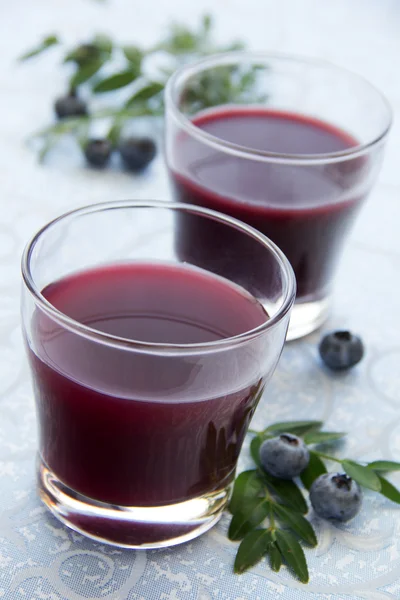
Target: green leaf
{"x":251,"y":514}
{"x":275,"y":557}
{"x":384,"y":465}
{"x":323,"y":437}
{"x":145,"y":93}
{"x":252,"y":549}
{"x":247,"y":485}
{"x":294,"y":427}
{"x":207,"y":23}
{"x":388,"y":490}
{"x":237,"y":45}
{"x":314,"y":469}
{"x":181,"y":40}
{"x":86,"y":71}
{"x":255,"y":449}
{"x":298,"y":523}
{"x":48,"y":42}
{"x":287,"y":491}
{"x":293,"y":554}
{"x":134,"y":55}
{"x":365,"y":476}
{"x":103,"y":43}
{"x":83,"y":54}
{"x":116,"y":81}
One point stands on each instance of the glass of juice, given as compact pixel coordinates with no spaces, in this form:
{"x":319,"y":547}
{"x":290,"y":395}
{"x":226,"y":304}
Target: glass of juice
{"x":289,"y":146}
{"x":147,"y":368}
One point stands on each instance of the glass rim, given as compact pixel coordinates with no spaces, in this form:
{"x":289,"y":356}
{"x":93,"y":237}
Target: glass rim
{"x":90,"y":333}
{"x":180,"y":77}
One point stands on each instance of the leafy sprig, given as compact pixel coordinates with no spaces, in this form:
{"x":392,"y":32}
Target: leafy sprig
{"x":47,"y":42}
{"x":268,"y":513}
{"x":102,"y":65}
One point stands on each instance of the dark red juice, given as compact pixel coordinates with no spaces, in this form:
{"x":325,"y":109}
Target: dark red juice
{"x":306,"y":209}
{"x":134,"y":428}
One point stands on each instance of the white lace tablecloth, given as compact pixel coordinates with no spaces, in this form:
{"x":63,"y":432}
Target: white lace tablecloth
{"x":39,"y":558}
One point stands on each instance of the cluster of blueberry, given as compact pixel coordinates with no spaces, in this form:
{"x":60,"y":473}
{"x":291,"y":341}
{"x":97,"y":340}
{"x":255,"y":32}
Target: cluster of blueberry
{"x":267,"y":504}
{"x":333,"y":495}
{"x":136,"y":152}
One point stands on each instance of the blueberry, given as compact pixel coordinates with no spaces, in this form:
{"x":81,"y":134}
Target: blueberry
{"x":335,"y":497}
{"x":137,"y":153}
{"x":285,"y":456}
{"x":98,"y":152}
{"x":341,"y":350}
{"x":70,"y":106}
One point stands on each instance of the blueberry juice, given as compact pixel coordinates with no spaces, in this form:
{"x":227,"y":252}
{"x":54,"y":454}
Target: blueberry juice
{"x":306,"y":209}
{"x":108,"y":427}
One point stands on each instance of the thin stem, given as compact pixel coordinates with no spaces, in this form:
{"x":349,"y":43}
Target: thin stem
{"x":69,"y":124}
{"x":114,"y":132}
{"x":272,"y":518}
{"x":268,"y":495}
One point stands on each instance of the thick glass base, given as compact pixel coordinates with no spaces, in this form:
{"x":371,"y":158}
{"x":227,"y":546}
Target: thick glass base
{"x":130,"y":526}
{"x":306,"y":317}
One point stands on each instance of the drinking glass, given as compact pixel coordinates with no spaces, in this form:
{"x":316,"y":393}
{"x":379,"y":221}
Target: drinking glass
{"x":139,"y":436}
{"x":287,"y":145}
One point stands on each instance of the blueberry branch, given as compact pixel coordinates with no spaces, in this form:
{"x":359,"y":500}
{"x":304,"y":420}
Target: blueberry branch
{"x":144,"y":89}
{"x":268,"y":493}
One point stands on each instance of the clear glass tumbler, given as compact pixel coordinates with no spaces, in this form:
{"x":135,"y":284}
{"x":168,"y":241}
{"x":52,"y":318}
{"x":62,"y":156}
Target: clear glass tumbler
{"x":147,"y":370}
{"x":289,"y":146}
